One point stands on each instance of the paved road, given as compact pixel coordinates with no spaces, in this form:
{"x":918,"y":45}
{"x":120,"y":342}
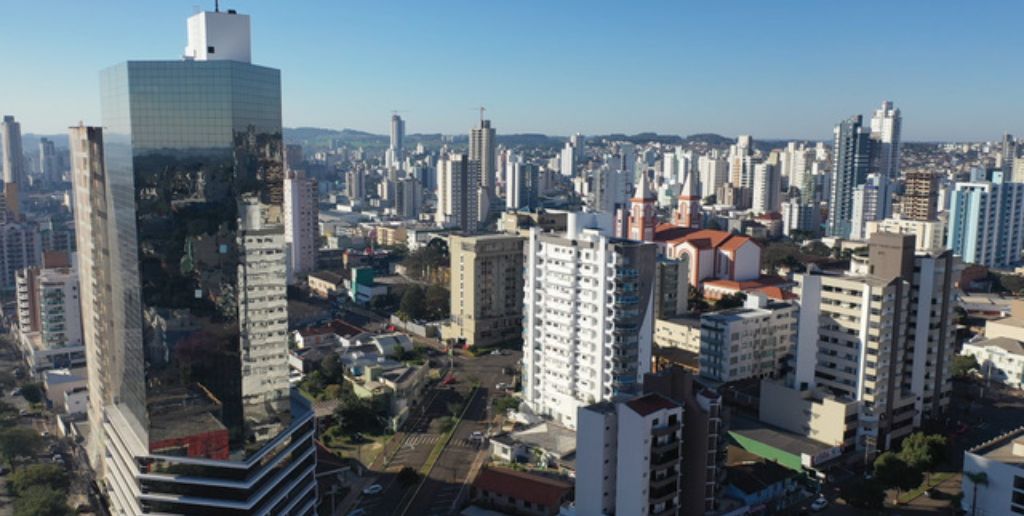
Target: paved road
{"x":436,"y":494}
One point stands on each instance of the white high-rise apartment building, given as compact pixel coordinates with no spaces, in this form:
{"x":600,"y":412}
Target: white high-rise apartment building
{"x":14,"y":163}
{"x":482,"y":151}
{"x":796,"y":163}
{"x":567,"y":160}
{"x":885,"y":133}
{"x":629,"y":457}
{"x":301,"y":224}
{"x":457,"y":195}
{"x":588,"y":316}
{"x":713,"y":172}
{"x":767,"y":188}
{"x":868,"y":204}
{"x":610,"y":189}
{"x":395,"y":153}
{"x":49,"y":314}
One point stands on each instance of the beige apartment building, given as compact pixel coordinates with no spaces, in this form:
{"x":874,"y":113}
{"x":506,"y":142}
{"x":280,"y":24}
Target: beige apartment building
{"x":880,"y":335}
{"x":486,"y":289}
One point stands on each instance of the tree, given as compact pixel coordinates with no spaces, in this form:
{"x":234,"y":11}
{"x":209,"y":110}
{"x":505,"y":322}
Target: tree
{"x":19,"y":442}
{"x":892,"y":471}
{"x":32,"y":392}
{"x":41,"y":501}
{"x":330,"y":367}
{"x":358,"y":416}
{"x":438,"y":301}
{"x":923,"y":451}
{"x":407,"y":476}
{"x":864,"y":495}
{"x":818,"y":248}
{"x":46,"y":475}
{"x":731,"y":301}
{"x":412,"y":305}
{"x":8,"y":414}
{"x":964,"y":364}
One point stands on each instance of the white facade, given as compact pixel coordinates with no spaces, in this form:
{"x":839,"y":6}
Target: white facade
{"x":795,"y":162}
{"x":263,"y":314}
{"x":885,"y":131}
{"x":798,"y":216}
{"x":567,"y":160}
{"x":50,"y":317}
{"x":301,"y":224}
{"x":1001,"y":360}
{"x":930,"y":234}
{"x":993,"y":481}
{"x":767,"y":188}
{"x":628,"y":457}
{"x":588,"y":317}
{"x":457,"y":196}
{"x":748,"y":342}
{"x":713,"y":172}
{"x":219,"y":36}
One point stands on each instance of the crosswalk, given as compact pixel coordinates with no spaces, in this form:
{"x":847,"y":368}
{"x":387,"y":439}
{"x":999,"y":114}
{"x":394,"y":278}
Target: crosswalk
{"x":418,"y":439}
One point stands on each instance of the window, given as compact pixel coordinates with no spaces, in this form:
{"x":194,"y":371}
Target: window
{"x":209,"y":50}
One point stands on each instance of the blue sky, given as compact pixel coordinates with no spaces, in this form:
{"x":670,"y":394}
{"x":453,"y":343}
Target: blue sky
{"x":778,"y":69}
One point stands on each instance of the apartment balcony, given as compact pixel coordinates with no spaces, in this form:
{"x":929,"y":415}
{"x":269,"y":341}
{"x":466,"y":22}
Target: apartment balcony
{"x":668,"y":446}
{"x":671,"y":479}
{"x":662,"y":460}
{"x":670,"y":428}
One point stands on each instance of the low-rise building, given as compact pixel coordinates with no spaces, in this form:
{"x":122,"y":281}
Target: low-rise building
{"x":813,"y":413}
{"x":1001,"y":359}
{"x":520,"y":492}
{"x":748,"y":342}
{"x":678,"y":332}
{"x":325,"y":283}
{"x":993,"y":481}
{"x":762,"y":484}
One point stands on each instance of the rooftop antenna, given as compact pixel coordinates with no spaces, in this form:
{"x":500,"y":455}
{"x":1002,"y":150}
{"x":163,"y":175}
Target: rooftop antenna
{"x":216,"y":6}
{"x":482,"y":109}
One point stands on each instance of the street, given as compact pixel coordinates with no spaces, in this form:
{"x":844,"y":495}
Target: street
{"x":439,"y":492}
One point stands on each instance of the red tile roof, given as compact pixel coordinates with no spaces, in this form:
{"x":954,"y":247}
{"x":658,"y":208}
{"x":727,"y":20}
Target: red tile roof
{"x":650,"y":404}
{"x":532,"y":488}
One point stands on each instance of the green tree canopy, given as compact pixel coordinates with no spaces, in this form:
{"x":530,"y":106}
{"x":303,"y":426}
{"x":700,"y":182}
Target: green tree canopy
{"x":19,"y":442}
{"x":963,"y":364}
{"x":41,"y":501}
{"x":330,"y":367}
{"x":893,"y":471}
{"x":438,"y":301}
{"x":32,"y":392}
{"x":864,"y":495}
{"x":413,"y":305}
{"x":46,"y":475}
{"x":731,"y":301}
{"x":923,"y":451}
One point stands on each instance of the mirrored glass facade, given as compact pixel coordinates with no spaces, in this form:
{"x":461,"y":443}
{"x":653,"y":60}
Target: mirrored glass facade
{"x":194,"y":159}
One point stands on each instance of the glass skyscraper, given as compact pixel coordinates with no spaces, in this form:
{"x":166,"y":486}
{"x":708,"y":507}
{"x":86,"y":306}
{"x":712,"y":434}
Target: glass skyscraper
{"x":194,"y":403}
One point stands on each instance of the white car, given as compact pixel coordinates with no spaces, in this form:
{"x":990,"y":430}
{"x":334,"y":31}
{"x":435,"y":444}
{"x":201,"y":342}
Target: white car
{"x":374,"y":489}
{"x":819,"y":504}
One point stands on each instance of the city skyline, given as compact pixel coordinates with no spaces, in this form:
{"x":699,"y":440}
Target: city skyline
{"x":676,"y":69}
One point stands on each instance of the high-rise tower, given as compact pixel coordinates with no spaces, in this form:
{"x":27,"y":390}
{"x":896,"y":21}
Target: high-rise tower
{"x":395,"y":152}
{"x":183,"y":227}
{"x":14,"y":163}
{"x":851,"y":163}
{"x":482,"y":151}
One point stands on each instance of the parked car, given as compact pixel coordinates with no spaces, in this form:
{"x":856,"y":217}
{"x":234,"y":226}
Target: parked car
{"x":374,"y":489}
{"x":819,"y":504}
